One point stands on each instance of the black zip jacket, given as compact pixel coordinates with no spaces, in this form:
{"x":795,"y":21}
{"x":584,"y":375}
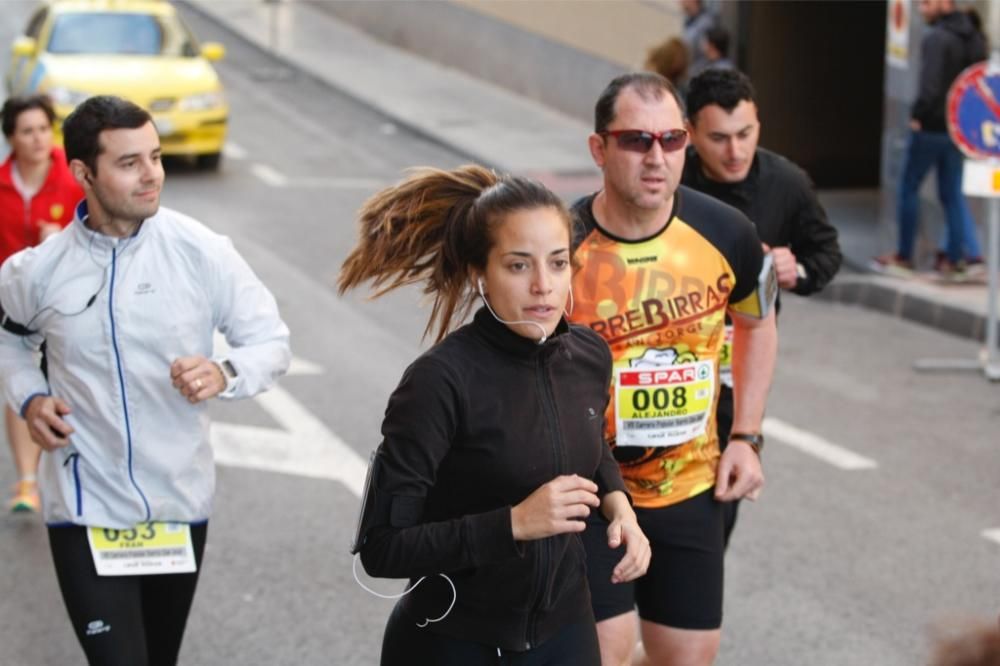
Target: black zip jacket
{"x":779,"y":199}
{"x":478,"y":423}
{"x":950,"y":44}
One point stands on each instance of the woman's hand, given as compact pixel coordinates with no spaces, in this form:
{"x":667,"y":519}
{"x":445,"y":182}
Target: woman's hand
{"x":559,"y":506}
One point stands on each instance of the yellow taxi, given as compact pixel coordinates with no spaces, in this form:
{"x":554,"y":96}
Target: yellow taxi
{"x":137,"y":49}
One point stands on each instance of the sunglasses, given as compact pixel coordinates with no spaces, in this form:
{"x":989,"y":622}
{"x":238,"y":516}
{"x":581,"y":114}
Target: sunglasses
{"x":638,"y":141}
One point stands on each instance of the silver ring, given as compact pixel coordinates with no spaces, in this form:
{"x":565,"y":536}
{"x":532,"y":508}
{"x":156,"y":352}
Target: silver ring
{"x":197,"y":384}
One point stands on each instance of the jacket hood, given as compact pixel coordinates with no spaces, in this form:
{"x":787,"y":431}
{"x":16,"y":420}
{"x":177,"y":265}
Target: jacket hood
{"x":957,"y":23}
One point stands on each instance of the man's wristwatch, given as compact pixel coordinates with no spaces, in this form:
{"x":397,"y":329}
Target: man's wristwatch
{"x":229,"y":372}
{"x":755,"y":440}
{"x":801,"y":276}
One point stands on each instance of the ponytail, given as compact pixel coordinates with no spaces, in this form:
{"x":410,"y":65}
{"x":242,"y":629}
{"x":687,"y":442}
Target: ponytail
{"x":435,"y":227}
{"x":423,"y":230}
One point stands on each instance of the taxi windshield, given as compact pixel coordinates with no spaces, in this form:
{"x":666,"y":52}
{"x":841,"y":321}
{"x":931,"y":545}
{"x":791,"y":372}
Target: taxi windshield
{"x":119,"y":33}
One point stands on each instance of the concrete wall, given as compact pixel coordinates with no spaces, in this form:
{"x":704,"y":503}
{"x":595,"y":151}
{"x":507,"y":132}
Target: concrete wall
{"x":557,"y":52}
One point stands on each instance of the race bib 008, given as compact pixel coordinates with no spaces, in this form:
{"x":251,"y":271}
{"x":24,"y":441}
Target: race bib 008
{"x":663,"y":406}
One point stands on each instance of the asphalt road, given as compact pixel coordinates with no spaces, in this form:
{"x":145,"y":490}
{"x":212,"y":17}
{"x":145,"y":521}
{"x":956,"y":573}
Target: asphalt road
{"x":848,"y":564}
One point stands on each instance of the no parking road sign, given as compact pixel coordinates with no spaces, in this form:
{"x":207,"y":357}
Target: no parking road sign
{"x":973,"y":111}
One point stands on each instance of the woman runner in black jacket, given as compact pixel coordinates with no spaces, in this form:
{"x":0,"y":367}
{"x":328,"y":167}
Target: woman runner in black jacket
{"x":492,"y":452}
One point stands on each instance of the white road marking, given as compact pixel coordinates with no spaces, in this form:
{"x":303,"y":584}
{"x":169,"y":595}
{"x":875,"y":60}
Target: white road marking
{"x":234,"y":151}
{"x":305,"y":447}
{"x":269,"y":176}
{"x":275,"y":178}
{"x":992,"y":534}
{"x":816,"y":446}
{"x":338,"y":183}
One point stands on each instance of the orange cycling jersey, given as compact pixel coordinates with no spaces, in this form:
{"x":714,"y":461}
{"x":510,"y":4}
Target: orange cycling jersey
{"x":660,"y":304}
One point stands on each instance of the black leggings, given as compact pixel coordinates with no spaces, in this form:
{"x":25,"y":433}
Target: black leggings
{"x":123,"y":620}
{"x":405,"y":644}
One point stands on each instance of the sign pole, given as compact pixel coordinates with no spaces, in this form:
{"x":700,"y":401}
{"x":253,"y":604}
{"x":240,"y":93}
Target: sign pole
{"x":991,"y":362}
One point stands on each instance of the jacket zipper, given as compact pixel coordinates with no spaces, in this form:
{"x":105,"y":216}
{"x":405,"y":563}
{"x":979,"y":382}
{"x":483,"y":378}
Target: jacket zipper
{"x":544,"y":545}
{"x":121,"y":379}
{"x":75,"y":457}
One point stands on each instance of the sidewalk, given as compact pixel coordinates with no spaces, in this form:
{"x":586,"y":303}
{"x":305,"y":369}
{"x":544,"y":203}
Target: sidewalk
{"x":473,"y":118}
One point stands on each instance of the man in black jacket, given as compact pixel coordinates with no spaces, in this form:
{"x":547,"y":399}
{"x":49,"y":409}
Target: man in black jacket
{"x":950,"y":44}
{"x":725,"y":162}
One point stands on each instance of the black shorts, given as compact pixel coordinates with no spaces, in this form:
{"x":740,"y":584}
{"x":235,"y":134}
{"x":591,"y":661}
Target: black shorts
{"x":683,"y":587}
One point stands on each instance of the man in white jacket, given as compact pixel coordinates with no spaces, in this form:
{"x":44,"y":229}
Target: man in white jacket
{"x":127,"y":300}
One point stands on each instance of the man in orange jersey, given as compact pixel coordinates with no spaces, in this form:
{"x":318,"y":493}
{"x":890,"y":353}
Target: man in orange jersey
{"x":662,"y":265}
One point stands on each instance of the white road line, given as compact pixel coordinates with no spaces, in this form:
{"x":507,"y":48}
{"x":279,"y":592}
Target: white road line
{"x":992,"y":534}
{"x":234,"y":151}
{"x":338,"y":183}
{"x":305,"y":447}
{"x":270,"y":176}
{"x":816,"y":446}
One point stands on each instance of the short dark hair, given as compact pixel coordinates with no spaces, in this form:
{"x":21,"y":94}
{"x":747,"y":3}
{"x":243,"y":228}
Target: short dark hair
{"x":718,"y":37}
{"x":83,"y":127}
{"x":648,"y":85}
{"x":725,"y":87}
{"x":15,"y":106}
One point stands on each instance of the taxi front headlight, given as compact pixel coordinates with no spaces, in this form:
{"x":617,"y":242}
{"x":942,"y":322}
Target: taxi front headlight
{"x":202,"y":101}
{"x":62,"y":96}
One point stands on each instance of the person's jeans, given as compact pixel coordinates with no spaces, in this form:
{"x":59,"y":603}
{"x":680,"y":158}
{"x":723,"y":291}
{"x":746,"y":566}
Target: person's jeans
{"x":924,"y":151}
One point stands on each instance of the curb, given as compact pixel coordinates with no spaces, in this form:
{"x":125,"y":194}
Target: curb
{"x":873,"y":295}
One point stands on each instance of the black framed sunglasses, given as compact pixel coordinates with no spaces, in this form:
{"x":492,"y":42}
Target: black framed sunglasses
{"x":639,"y":141}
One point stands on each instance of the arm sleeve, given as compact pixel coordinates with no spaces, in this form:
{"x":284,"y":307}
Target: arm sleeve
{"x":932,"y":86}
{"x":813,"y":239}
{"x":420,"y":424}
{"x":747,"y":260}
{"x":22,"y":378}
{"x":246,"y":313}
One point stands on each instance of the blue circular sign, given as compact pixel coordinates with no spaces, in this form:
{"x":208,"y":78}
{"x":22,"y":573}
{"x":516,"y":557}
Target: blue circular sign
{"x":973,"y":112}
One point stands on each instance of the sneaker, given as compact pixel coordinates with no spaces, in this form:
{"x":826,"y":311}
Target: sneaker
{"x":949,"y":272}
{"x":975,"y":267}
{"x":25,"y":497}
{"x":892,"y":264}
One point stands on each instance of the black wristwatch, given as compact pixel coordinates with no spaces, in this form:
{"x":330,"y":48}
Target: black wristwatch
{"x":755,"y":440}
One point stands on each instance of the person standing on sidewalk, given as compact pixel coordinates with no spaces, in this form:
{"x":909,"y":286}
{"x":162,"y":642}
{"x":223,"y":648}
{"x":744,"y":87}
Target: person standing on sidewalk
{"x":37,"y":196}
{"x":662,"y":265}
{"x":950,"y":44}
{"x":492,"y":451}
{"x":127,"y":299}
{"x":725,"y":162}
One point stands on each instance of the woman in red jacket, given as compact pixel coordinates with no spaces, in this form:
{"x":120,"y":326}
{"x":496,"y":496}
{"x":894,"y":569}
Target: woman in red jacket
{"x":37,"y":197}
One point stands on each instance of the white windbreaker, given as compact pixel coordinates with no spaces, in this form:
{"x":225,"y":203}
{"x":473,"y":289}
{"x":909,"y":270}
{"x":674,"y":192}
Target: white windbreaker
{"x":115,"y":313}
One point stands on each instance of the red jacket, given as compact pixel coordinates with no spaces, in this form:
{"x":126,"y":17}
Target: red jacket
{"x":20,"y":222}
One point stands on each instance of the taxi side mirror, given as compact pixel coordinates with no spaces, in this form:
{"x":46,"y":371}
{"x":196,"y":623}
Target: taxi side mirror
{"x":213,"y":51}
{"x":24,"y":47}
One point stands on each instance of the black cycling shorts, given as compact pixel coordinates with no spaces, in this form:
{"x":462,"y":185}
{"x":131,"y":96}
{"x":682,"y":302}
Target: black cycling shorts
{"x":123,"y":620}
{"x":683,"y":586}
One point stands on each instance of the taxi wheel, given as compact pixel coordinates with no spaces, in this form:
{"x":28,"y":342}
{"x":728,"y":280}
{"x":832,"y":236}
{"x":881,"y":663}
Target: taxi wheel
{"x":209,"y":161}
